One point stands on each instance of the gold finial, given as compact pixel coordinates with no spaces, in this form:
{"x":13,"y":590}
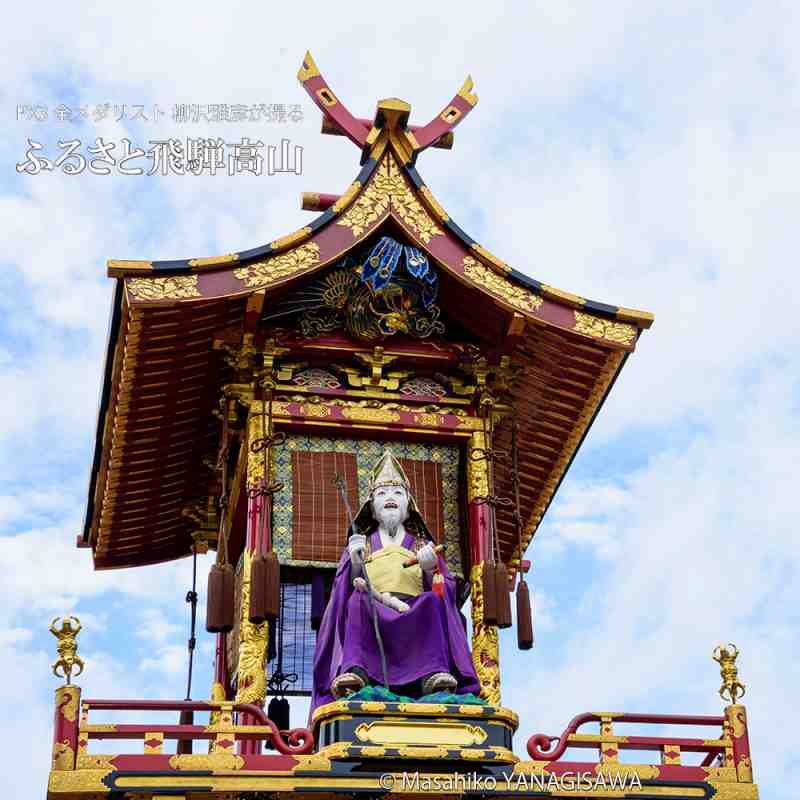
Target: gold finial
{"x":725,"y":656}
{"x":68,"y":657}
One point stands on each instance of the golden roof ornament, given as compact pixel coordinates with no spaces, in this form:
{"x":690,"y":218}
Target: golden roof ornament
{"x":68,"y":657}
{"x":725,"y":656}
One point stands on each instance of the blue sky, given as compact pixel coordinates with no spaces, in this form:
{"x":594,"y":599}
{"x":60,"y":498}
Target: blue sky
{"x":632,"y":153}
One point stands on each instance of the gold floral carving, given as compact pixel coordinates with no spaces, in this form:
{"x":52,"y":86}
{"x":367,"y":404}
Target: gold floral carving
{"x":734,"y":791}
{"x":63,"y":755}
{"x":422,"y":708}
{"x":67,"y":700}
{"x":217,"y":695}
{"x":78,"y":781}
{"x":86,"y":761}
{"x":485,"y":650}
{"x":477,"y":469}
{"x":370,"y":751}
{"x":600,"y":328}
{"x":516,"y":296}
{"x":177,"y":287}
{"x":335,"y":750}
{"x":389,"y":189}
{"x":210,"y":761}
{"x":531,"y":767}
{"x":371,"y":414}
{"x":263,"y":273}
{"x":311,"y":763}
{"x":252,"y":665}
{"x":422,"y":751}
{"x":372,"y":706}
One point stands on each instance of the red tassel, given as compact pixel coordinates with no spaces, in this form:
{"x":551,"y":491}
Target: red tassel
{"x":524,"y":617}
{"x":489,"y":595}
{"x":257,"y":612}
{"x":503,"y":596}
{"x":437,"y":584}
{"x":219,"y":605}
{"x":272,"y":590}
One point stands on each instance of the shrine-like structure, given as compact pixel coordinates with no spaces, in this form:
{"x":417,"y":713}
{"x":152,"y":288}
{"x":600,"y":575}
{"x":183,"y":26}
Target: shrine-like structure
{"x":246,"y":401}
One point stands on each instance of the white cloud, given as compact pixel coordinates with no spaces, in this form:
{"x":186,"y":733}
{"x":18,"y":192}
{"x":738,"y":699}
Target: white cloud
{"x":633,"y":153}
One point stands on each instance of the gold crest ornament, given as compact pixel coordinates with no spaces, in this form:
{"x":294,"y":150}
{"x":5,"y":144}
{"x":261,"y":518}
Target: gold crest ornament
{"x":725,"y":656}
{"x":68,"y":657}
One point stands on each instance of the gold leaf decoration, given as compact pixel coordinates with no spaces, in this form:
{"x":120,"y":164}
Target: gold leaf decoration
{"x":600,"y":328}
{"x":177,"y":287}
{"x":485,"y":648}
{"x":262,"y":273}
{"x":389,"y":189}
{"x":209,"y":761}
{"x":514,"y":295}
{"x":252,"y":662}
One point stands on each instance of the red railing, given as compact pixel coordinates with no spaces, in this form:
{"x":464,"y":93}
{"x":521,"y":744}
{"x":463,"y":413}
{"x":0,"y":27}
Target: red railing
{"x":222,"y":731}
{"x":541,"y":746}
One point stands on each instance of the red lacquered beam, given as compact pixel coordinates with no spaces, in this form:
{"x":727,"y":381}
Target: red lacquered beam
{"x":653,"y":743}
{"x":138,"y":731}
{"x":133,"y":732}
{"x":172,"y":705}
{"x":540,"y":743}
{"x":736,"y":717}
{"x":65,"y":727}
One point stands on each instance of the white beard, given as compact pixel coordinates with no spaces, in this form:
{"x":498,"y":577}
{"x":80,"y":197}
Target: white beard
{"x":389,"y":520}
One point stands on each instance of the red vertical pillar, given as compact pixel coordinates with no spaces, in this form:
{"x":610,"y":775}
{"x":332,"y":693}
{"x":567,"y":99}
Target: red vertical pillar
{"x":65,"y":727}
{"x":736,"y":717}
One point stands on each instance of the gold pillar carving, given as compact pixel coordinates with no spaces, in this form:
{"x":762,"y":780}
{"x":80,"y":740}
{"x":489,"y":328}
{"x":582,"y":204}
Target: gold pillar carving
{"x":485,"y":647}
{"x":251,"y":682}
{"x":477,"y":469}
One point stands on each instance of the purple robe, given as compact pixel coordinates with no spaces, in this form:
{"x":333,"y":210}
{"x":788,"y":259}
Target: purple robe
{"x":429,"y":637}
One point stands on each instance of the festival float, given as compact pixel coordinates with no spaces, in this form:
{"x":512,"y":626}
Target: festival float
{"x":366,"y":421}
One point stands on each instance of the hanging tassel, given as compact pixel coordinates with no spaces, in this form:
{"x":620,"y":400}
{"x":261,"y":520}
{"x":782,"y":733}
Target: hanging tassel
{"x":219,"y":605}
{"x":524,"y":617}
{"x":257,"y":611}
{"x":489,"y":595}
{"x":272,"y":591}
{"x":503,"y":596}
{"x":437,"y":584}
{"x":278,"y":712}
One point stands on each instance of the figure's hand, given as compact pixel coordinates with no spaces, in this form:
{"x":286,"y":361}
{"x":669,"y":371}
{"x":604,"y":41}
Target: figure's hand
{"x":427,"y":558}
{"x":356,"y":545}
{"x":396,"y":603}
{"x":360,"y":584}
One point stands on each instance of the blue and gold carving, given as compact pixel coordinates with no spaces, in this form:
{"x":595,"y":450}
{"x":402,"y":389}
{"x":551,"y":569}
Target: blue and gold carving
{"x":392,"y":288}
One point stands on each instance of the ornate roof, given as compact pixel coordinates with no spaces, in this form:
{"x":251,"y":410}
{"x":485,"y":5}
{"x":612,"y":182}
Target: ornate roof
{"x":161,"y":379}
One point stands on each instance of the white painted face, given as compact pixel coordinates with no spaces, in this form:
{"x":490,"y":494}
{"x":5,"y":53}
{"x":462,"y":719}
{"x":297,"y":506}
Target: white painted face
{"x":390,"y":506}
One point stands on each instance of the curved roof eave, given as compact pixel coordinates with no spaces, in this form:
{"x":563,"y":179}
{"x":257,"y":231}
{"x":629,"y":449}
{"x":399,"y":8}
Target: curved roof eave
{"x":384,"y":187}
